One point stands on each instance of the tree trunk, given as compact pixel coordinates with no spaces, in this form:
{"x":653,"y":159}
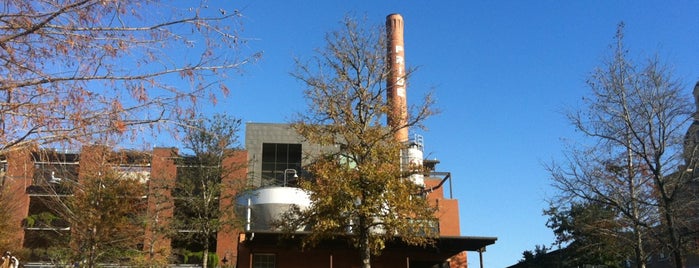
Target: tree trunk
{"x":638,"y":250}
{"x":364,"y":247}
{"x":93,"y":248}
{"x":675,"y":244}
{"x":365,"y":251}
{"x":667,"y":206}
{"x":205,"y":255}
{"x":630,"y":168}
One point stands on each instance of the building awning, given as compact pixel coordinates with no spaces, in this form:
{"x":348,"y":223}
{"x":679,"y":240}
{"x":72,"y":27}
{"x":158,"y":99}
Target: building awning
{"x":465,"y":243}
{"x":441,"y":251}
{"x":443,"y":244}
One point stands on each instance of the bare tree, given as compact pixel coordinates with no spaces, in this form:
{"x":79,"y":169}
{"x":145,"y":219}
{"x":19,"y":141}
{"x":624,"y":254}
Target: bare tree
{"x":73,"y":69}
{"x":636,"y":117}
{"x":359,"y":189}
{"x":201,"y":187}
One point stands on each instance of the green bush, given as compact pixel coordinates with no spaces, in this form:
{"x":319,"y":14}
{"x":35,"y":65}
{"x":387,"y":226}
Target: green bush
{"x":196,"y":257}
{"x":213,"y":260}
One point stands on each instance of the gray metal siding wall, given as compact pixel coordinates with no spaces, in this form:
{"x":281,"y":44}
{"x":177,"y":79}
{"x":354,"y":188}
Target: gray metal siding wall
{"x":258,"y":133}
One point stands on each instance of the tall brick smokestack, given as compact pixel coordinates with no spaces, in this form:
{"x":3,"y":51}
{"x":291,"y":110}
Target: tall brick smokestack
{"x":396,"y":82}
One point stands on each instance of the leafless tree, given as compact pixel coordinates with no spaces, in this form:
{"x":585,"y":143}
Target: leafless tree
{"x":636,"y":117}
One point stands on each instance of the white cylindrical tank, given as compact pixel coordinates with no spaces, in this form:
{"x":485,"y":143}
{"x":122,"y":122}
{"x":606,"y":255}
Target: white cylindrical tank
{"x":414,"y":157}
{"x":262,"y":207}
{"x":412,"y":163}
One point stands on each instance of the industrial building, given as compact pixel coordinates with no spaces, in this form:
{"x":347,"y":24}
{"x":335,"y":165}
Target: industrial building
{"x":272,"y":160}
{"x":275,"y":155}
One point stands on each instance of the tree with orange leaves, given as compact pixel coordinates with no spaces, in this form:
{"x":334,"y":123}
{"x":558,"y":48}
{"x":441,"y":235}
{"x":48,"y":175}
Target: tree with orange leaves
{"x":71,"y":70}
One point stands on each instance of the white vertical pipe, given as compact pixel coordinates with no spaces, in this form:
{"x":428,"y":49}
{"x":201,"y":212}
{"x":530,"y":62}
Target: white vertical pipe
{"x":248,"y":217}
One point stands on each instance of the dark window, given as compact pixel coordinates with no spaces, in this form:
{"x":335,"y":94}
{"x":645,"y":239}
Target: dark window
{"x":263,"y":260}
{"x":276,"y":159}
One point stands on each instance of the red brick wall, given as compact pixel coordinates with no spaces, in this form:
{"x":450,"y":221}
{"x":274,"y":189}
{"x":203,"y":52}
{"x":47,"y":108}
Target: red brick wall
{"x":447,"y":209}
{"x":227,"y":239}
{"x":448,"y":215}
{"x":93,"y":161}
{"x":160,"y":204}
{"x":19,"y":176}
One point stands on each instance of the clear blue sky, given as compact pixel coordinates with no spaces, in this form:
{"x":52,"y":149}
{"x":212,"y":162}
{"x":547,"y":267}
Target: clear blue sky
{"x":501,"y":71}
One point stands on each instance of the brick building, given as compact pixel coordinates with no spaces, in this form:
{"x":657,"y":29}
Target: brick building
{"x":273,"y":155}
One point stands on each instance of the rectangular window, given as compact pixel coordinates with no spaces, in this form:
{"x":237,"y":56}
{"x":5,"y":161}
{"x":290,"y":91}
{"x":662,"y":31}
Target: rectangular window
{"x":278,"y":157}
{"x":263,"y":260}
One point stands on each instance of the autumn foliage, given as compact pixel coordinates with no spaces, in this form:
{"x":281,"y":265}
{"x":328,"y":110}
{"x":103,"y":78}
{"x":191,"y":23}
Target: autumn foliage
{"x":358,"y":187}
{"x":72,"y":71}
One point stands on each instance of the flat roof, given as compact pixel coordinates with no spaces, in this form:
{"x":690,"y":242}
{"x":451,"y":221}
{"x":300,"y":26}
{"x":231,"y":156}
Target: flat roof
{"x":443,"y":244}
{"x":466,"y":243}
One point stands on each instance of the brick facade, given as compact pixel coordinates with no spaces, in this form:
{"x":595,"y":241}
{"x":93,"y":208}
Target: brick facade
{"x":235,"y":246}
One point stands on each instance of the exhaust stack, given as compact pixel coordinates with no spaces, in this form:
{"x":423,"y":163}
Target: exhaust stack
{"x":396,"y":82}
{"x":411,"y":156}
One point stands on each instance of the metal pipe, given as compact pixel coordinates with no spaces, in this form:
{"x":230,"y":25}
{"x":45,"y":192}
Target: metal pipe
{"x":287,"y":170}
{"x":480,"y":256}
{"x":447,"y":176}
{"x":248,"y":216}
